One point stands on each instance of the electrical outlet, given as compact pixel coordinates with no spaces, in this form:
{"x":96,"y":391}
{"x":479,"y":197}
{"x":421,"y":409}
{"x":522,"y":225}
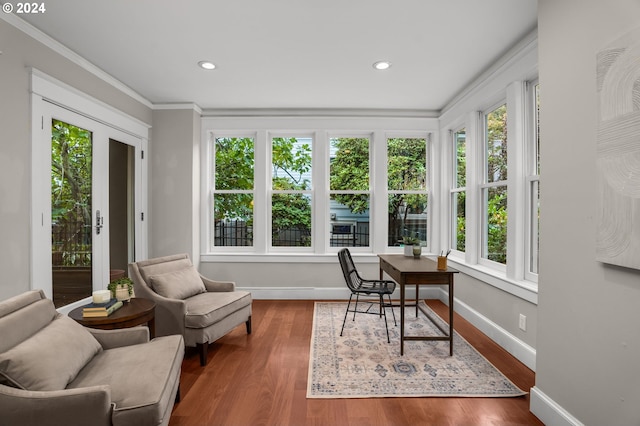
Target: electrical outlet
{"x":523,"y":322}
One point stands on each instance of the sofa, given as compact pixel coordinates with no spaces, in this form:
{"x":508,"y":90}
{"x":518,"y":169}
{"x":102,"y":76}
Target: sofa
{"x":200,"y":309}
{"x":53,"y":371}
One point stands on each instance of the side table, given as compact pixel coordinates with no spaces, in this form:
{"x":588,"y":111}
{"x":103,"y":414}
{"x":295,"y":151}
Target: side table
{"x":137,"y":311}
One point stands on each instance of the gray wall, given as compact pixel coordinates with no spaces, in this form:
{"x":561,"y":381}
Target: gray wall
{"x":588,"y":343}
{"x":19,"y":52}
{"x":174,"y":183}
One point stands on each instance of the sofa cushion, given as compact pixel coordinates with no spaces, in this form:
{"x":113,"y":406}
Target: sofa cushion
{"x":180,"y":284}
{"x":141,"y":377}
{"x":209,"y":308}
{"x":51,"y":358}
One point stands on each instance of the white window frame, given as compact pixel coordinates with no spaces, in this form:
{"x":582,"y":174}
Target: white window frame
{"x":532,"y":183}
{"x":455,"y":190}
{"x":484,"y":187}
{"x":309,"y":192}
{"x":209,"y":170}
{"x":320,"y":128}
{"x":428,"y":191}
{"x":369,"y":192}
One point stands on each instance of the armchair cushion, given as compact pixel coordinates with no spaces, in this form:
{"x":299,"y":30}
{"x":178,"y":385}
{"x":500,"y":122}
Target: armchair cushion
{"x":50,"y":359}
{"x":180,"y":284}
{"x":209,"y":308}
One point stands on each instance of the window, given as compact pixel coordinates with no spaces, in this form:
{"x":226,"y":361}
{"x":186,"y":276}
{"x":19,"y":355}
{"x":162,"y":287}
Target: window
{"x":407,"y":189}
{"x":458,"y":191}
{"x":296,"y":189}
{"x":233,"y":193}
{"x":533,"y":180}
{"x":494,"y":188}
{"x":291,"y":195}
{"x":349,"y":192}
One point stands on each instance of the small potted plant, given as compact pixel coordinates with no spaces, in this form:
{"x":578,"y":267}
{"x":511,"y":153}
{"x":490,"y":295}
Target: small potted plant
{"x":121,"y":289}
{"x":409,"y":244}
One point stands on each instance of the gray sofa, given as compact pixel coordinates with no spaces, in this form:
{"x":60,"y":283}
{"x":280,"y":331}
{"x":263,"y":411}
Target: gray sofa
{"x":53,"y":371}
{"x":200,"y":309}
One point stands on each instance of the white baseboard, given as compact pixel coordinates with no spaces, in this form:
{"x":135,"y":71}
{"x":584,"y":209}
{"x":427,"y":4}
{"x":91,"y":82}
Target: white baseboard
{"x":549,"y":412}
{"x":516,"y":347}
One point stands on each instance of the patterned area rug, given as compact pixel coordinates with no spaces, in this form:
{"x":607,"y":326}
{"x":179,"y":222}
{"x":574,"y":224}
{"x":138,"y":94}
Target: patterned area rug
{"x":361,"y":364}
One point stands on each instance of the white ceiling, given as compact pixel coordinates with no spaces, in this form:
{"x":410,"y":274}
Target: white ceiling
{"x":291,"y":53}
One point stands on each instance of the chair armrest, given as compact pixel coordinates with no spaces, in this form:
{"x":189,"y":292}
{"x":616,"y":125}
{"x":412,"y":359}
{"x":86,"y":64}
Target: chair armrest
{"x":69,"y":407}
{"x":213,"y":286}
{"x":110,"y":339}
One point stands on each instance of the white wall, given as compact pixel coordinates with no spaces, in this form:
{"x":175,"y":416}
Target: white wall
{"x":19,"y":53}
{"x":588,"y":343}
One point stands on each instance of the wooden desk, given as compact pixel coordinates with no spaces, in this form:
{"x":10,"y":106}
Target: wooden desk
{"x":137,"y":311}
{"x":409,"y":271}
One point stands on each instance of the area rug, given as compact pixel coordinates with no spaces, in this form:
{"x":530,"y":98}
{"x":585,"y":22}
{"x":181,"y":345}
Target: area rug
{"x":361,"y":364}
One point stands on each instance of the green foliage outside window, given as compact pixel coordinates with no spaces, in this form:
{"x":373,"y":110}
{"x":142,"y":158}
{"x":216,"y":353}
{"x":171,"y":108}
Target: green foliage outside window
{"x":71,"y":167}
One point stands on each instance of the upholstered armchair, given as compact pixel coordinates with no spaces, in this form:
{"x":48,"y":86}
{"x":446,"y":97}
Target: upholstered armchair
{"x":200,"y":309}
{"x":53,"y":371}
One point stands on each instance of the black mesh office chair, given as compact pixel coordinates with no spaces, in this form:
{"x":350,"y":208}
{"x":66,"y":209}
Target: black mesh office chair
{"x":359,"y":286}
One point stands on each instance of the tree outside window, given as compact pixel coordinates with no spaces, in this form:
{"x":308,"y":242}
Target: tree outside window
{"x":233,"y":193}
{"x":349,"y":192}
{"x":291,"y":192}
{"x":407,"y":188}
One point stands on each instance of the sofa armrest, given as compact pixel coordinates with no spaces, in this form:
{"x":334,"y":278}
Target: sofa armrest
{"x":213,"y":286}
{"x":69,"y":407}
{"x":124,"y":337}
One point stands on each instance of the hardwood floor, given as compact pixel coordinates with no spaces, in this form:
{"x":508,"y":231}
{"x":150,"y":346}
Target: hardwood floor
{"x":261,"y":379}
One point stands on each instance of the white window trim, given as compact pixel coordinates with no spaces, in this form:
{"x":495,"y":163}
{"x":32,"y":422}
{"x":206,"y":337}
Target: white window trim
{"x":380,"y":128}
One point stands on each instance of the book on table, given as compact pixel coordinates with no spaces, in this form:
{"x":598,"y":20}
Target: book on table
{"x":99,"y":306}
{"x":103,"y":312}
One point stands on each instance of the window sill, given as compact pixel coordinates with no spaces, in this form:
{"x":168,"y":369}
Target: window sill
{"x":526,"y":290}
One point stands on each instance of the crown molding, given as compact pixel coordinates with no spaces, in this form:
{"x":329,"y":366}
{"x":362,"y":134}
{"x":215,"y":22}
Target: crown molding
{"x":182,"y":105}
{"x":319,"y":112}
{"x":72,"y":56}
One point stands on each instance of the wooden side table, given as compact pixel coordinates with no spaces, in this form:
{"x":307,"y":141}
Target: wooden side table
{"x":137,"y":311}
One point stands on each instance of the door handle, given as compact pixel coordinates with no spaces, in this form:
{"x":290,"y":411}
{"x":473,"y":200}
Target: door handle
{"x":99,"y":222}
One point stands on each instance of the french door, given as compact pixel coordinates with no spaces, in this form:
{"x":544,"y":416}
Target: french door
{"x":86,"y":215}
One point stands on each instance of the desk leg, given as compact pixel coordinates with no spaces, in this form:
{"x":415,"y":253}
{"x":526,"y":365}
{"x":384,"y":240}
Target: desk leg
{"x":451,"y":315}
{"x":402,"y":295}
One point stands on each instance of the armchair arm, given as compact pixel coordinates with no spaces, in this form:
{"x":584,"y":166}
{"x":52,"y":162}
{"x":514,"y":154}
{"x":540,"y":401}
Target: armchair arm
{"x":110,"y":339}
{"x":212,"y":285}
{"x":70,"y":407}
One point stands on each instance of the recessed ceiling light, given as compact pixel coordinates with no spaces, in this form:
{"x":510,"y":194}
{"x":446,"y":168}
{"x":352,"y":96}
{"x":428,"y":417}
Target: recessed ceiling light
{"x":382,"y":65}
{"x":207,"y":65}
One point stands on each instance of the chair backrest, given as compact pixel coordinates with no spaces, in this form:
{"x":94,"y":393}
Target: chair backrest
{"x":22,"y":316}
{"x":142,"y":270}
{"x":351,"y":276}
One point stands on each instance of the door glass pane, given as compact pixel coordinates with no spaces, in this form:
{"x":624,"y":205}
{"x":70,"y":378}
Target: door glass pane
{"x":121,"y":208}
{"x":71,"y":219}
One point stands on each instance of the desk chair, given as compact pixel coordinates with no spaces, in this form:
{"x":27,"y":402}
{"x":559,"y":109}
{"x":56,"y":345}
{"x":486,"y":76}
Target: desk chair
{"x":359,"y":285}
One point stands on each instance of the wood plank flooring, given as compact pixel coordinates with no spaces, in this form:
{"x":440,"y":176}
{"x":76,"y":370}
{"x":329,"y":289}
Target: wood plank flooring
{"x":261,"y":379}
